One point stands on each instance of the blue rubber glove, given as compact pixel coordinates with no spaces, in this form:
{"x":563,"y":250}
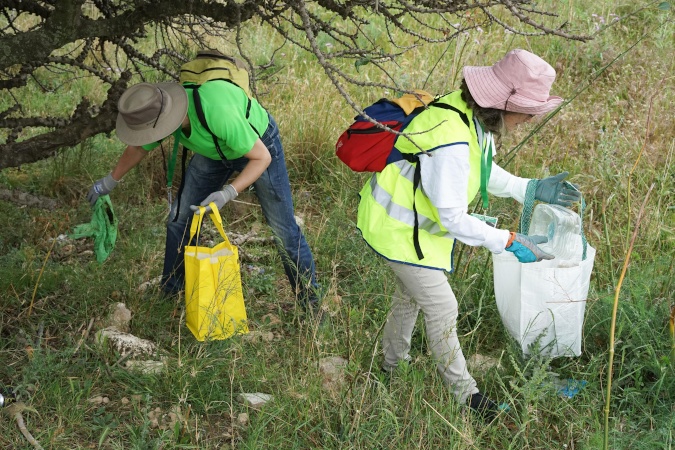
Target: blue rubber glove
{"x":556,"y":191}
{"x":220,"y":198}
{"x":525,"y":248}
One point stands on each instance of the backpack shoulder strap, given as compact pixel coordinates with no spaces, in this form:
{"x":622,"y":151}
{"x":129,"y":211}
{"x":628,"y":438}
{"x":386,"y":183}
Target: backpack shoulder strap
{"x":199,"y":109}
{"x":417,"y":179}
{"x":463,"y":116}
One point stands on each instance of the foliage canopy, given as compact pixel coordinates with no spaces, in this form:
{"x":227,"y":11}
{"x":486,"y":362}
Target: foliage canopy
{"x":106,"y":40}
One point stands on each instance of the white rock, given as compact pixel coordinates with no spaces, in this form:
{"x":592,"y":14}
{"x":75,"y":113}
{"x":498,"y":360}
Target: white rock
{"x":125,"y":343}
{"x":242,"y":419}
{"x":332,"y":366}
{"x":119,"y":317}
{"x":254,"y":400}
{"x":480,"y":362}
{"x":148,"y":284}
{"x":255,"y":336}
{"x":332,"y":371}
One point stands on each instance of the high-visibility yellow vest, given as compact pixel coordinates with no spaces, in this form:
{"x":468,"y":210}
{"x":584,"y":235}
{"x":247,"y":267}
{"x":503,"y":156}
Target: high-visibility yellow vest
{"x":386,"y":217}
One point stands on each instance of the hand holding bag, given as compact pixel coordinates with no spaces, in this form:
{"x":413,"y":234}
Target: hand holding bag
{"x":214,"y":301}
{"x":544,"y":302}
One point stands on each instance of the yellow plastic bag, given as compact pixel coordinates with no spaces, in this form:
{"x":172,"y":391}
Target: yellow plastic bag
{"x":214,"y":301}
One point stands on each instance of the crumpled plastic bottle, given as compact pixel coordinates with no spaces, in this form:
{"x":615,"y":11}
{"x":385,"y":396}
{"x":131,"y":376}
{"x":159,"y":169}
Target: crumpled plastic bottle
{"x":562,"y":227}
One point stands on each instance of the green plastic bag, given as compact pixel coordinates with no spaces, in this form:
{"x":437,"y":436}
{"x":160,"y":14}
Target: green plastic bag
{"x":103,"y":228}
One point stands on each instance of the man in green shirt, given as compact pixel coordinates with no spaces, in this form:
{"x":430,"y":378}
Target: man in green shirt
{"x":248,"y":138}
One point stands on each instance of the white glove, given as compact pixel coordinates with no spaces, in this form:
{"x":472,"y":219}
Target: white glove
{"x":220,"y":198}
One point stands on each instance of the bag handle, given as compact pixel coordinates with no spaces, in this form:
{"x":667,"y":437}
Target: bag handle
{"x":528,"y":209}
{"x":196,"y":227}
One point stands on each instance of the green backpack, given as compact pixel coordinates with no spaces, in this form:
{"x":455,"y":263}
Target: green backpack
{"x":213,"y":65}
{"x":210,"y":65}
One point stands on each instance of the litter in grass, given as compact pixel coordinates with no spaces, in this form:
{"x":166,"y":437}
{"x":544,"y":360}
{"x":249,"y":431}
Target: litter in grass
{"x":572,"y":388}
{"x":255,"y":400}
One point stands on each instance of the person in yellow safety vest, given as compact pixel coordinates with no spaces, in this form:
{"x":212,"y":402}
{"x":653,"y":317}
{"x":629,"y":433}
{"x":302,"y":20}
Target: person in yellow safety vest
{"x":413,"y":225}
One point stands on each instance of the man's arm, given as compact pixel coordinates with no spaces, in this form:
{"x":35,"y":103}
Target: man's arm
{"x":259,"y":159}
{"x":129,"y":159}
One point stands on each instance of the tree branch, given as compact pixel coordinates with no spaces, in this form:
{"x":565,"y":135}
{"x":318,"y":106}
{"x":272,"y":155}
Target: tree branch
{"x":55,"y":42}
{"x":81,"y":127}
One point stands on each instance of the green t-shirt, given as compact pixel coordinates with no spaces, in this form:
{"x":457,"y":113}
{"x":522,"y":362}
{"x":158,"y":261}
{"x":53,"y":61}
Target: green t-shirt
{"x":224,"y":107}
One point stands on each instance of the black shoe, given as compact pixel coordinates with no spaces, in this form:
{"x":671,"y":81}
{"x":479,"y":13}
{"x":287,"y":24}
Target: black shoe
{"x":483,"y":406}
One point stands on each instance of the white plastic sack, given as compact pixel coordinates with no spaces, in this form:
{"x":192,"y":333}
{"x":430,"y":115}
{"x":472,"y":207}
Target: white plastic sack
{"x":545,"y":301}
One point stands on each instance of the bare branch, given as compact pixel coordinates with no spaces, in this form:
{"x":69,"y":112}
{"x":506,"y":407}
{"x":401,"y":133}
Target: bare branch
{"x":50,"y":44}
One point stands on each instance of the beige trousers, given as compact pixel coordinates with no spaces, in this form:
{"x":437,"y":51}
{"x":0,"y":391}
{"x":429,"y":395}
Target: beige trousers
{"x":428,"y":290}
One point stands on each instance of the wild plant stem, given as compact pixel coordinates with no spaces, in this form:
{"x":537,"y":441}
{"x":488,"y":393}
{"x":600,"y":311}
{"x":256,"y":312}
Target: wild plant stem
{"x":466,"y":439}
{"x":42,"y":269}
{"x":644,"y":144}
{"x":671,"y":325}
{"x":614,"y":312}
{"x":609,"y":246}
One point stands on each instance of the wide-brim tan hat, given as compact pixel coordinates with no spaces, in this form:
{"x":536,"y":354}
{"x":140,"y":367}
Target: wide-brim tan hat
{"x":149,"y":112}
{"x":520,"y":82}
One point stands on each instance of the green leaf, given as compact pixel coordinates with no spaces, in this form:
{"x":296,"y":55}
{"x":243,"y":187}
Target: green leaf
{"x":361,"y":62}
{"x":664,"y":6}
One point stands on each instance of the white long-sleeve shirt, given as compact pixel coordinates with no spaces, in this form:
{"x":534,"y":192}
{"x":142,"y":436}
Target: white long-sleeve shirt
{"x":445,"y":176}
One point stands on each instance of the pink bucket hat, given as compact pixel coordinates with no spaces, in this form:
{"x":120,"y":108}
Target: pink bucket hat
{"x":519,"y":82}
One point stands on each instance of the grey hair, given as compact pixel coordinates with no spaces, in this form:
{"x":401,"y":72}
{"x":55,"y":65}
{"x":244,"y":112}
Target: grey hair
{"x":491,"y":119}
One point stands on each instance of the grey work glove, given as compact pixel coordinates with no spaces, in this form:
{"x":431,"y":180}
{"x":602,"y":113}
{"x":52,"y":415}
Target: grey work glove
{"x":101,"y":187}
{"x":220,"y":198}
{"x":556,"y":191}
{"x":525,"y":248}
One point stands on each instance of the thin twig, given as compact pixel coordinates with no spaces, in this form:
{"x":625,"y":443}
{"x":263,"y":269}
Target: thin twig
{"x":607,"y":240}
{"x":122,"y":359}
{"x":246,"y":203}
{"x":644,"y":143}
{"x":15,"y":411}
{"x":614,"y":311}
{"x":466,"y":439}
{"x":357,"y":419}
{"x":84,"y":336}
{"x":42,"y":269}
{"x":40,"y":333}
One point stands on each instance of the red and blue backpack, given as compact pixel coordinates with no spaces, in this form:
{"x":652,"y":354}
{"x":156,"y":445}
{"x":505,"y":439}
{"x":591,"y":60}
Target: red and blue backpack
{"x":369,"y":147}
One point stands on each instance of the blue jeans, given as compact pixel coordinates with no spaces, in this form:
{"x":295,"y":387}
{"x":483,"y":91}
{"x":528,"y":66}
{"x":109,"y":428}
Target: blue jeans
{"x":204,"y":176}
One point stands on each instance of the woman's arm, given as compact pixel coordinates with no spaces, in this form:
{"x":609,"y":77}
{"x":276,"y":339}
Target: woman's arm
{"x":504,"y":184}
{"x":472,"y":231}
{"x":445,"y":177}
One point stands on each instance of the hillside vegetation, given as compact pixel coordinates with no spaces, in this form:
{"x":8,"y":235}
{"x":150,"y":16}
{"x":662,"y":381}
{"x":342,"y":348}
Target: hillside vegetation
{"x":616,"y":138}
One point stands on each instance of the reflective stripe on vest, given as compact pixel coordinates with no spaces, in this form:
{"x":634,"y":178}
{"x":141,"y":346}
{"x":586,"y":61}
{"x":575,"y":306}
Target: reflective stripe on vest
{"x":401,"y":213}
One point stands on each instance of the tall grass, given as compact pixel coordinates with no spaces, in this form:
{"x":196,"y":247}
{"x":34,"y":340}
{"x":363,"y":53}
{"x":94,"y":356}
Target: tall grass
{"x":597,"y":137}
